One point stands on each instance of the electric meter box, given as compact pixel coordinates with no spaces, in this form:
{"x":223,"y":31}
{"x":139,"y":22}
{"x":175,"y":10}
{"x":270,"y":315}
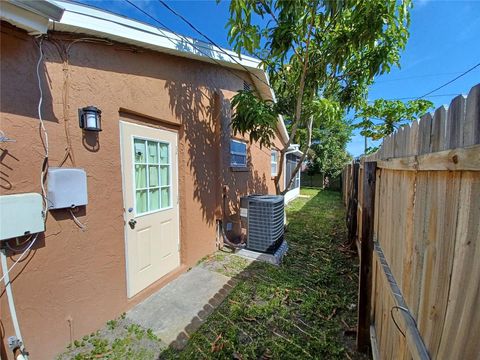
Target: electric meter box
{"x":21,"y":214}
{"x":67,"y":188}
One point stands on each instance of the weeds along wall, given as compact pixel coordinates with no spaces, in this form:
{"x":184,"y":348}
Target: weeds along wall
{"x":421,"y":253}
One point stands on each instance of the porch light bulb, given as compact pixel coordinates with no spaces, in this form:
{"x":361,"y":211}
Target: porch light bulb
{"x":91,"y":120}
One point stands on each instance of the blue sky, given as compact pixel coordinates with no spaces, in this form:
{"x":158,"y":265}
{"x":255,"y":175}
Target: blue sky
{"x":444,"y":42}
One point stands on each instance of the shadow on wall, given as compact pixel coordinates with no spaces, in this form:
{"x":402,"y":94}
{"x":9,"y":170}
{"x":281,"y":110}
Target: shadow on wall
{"x":194,"y":98}
{"x":205,"y":115}
{"x":16,"y":79}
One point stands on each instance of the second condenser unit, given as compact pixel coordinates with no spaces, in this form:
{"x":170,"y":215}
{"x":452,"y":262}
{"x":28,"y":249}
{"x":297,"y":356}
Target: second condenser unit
{"x":263,"y":218}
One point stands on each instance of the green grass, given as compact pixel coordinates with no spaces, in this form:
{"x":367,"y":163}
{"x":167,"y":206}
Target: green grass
{"x":304,"y":309}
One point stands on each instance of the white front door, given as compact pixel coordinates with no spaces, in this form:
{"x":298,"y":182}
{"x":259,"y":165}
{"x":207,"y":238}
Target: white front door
{"x":150,"y":193}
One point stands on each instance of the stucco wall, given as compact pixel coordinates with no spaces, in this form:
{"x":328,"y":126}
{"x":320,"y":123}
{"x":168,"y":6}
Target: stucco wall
{"x":74,"y":281}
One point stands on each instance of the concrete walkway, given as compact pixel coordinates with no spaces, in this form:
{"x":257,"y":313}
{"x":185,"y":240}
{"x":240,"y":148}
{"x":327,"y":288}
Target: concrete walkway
{"x":179,"y":308}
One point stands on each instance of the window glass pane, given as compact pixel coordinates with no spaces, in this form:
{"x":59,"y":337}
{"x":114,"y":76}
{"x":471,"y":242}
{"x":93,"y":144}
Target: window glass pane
{"x":238,"y":160}
{"x":274,"y":169}
{"x":274,"y":156}
{"x":152,"y":152}
{"x":164,"y":175}
{"x":153,"y":176}
{"x":238,"y":147}
{"x":141,"y":201}
{"x":154,"y":199}
{"x":165,"y":197}
{"x":139,"y":148}
{"x":164,"y":154}
{"x":140,"y":176}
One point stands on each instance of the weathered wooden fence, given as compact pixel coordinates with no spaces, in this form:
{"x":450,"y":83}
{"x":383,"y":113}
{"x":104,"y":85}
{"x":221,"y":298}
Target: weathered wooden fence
{"x":417,"y":229}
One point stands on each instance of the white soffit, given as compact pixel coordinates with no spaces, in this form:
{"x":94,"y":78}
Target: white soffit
{"x":29,"y":15}
{"x":79,"y":18}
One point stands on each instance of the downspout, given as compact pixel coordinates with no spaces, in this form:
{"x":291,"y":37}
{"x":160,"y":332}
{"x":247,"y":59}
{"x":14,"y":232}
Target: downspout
{"x":217,"y":122}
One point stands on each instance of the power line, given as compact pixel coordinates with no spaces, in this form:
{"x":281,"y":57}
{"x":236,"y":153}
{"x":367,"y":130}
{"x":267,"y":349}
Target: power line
{"x":183,"y":37}
{"x":193,"y":27}
{"x":416,"y":98}
{"x":416,"y":77}
{"x":451,"y":81}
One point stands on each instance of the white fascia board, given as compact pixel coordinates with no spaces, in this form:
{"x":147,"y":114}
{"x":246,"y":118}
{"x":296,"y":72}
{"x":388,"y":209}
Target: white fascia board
{"x":44,"y":8}
{"x":31,"y":22}
{"x":84,"y":19}
{"x":294,"y":149}
{"x":78,"y":18}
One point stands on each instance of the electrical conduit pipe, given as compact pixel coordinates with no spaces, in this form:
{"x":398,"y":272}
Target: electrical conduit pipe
{"x":19,"y":355}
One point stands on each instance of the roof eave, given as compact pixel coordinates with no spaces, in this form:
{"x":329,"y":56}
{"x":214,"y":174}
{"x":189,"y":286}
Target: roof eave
{"x":32,"y":16}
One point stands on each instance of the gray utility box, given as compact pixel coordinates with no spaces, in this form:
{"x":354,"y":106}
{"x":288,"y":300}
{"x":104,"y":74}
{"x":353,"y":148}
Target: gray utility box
{"x":263,"y":216}
{"x":67,"y":188}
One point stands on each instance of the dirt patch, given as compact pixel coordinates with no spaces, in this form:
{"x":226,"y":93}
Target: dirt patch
{"x":119,"y":339}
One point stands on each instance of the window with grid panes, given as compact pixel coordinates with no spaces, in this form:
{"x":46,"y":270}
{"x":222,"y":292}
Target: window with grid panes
{"x":238,"y":153}
{"x":152,"y":164}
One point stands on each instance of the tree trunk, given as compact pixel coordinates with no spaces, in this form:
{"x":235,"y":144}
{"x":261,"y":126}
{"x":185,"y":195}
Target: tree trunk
{"x":298,"y":114}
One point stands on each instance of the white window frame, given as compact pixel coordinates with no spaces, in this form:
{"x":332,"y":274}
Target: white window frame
{"x":235,"y":165}
{"x":146,"y":164}
{"x":274,"y":151}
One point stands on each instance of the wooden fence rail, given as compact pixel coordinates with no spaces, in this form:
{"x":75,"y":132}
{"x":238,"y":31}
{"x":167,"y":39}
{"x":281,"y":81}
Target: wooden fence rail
{"x":419,"y":292}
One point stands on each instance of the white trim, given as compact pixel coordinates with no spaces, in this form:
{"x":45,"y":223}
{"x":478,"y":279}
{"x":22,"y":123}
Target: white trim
{"x":23,"y":19}
{"x":291,"y":195}
{"x":79,"y":18}
{"x":295,"y":192}
{"x":238,"y":153}
{"x":46,"y":8}
{"x":147,"y":174}
{"x":125,"y":240}
{"x":276,"y":161}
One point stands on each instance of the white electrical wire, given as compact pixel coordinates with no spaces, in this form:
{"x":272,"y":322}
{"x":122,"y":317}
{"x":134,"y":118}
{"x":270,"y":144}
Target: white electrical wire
{"x":6,"y":271}
{"x":18,"y":249}
{"x":21,"y":257}
{"x":45,"y":134}
{"x":79,"y":224}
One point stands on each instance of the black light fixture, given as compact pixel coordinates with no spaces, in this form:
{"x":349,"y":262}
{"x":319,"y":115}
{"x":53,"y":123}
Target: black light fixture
{"x":89,"y":118}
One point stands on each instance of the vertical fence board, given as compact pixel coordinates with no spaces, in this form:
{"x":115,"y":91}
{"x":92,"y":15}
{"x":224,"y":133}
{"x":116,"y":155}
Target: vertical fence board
{"x":427,"y":223}
{"x":455,"y":122}
{"x":420,"y":219}
{"x":471,"y":135}
{"x":438,"y":141}
{"x":366,"y":243}
{"x":463,"y":318}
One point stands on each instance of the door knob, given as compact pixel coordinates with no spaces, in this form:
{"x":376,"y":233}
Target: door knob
{"x":132,"y":223}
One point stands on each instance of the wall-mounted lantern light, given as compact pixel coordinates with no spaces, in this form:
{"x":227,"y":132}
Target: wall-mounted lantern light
{"x":90,"y":118}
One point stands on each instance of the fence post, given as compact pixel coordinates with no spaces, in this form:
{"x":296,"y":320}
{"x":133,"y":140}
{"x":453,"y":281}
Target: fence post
{"x":352,"y":206}
{"x":366,"y":253}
